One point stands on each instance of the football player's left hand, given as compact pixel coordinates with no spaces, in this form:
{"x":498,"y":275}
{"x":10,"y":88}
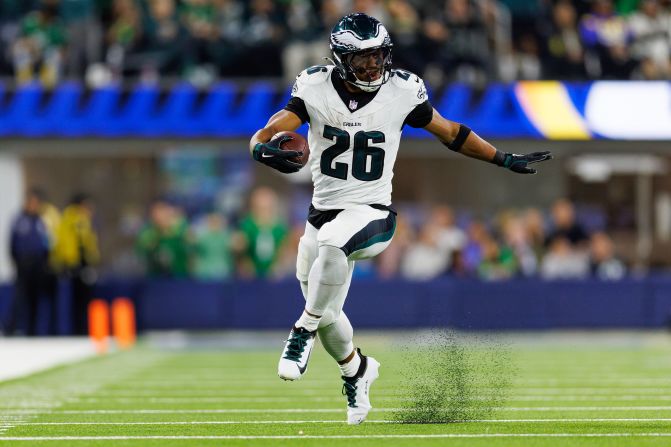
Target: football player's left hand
{"x":519,"y":162}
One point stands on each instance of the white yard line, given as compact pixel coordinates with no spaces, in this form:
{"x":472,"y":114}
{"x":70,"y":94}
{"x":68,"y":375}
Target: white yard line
{"x":268,"y":381}
{"x":186,"y":392}
{"x":659,"y":395}
{"x":195,"y":384}
{"x":614,"y":380}
{"x":340,"y":421}
{"x":324,"y":410}
{"x":316,"y":384}
{"x":9,"y":423}
{"x":568,"y":398}
{"x":368,"y":436}
{"x":189,"y":386}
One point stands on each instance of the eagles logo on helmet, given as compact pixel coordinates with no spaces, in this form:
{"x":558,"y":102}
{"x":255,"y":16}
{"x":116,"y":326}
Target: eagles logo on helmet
{"x":361,"y":49}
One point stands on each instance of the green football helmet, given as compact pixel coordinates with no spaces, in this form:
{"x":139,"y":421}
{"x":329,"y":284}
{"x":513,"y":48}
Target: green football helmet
{"x":361,"y":49}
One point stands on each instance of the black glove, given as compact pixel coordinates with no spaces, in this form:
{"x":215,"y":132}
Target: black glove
{"x":270,"y":154}
{"x":519,"y":162}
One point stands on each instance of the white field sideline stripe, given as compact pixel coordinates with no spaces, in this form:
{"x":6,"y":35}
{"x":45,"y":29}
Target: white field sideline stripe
{"x":379,"y":394}
{"x":263,"y":378}
{"x":340,"y":421}
{"x":334,"y":398}
{"x":190,"y":387}
{"x":526,"y":389}
{"x":256,"y":391}
{"x":387,"y":391}
{"x":336,"y":410}
{"x":666,"y":383}
{"x":386,"y":398}
{"x":185,"y":390}
{"x":264,"y":381}
{"x":438,"y":435}
{"x":319,"y":384}
{"x":214,"y":392}
{"x":582,"y":382}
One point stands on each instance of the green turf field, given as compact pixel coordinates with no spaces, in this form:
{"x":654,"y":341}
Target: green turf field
{"x":548,"y":390}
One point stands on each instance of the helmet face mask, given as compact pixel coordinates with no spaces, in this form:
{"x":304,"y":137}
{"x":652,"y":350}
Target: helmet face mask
{"x":362,"y":51}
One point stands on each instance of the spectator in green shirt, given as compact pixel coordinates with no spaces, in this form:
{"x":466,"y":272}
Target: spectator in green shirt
{"x":123,"y":35}
{"x":198,"y":19}
{"x":40,"y":45}
{"x":498,"y":262}
{"x":85,"y":34}
{"x":212,"y":259}
{"x":163,"y":244}
{"x":263,"y":233}
{"x":11,"y":13}
{"x":162,"y":47}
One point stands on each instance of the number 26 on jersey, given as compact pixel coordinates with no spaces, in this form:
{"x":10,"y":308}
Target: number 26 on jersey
{"x":367,"y":161}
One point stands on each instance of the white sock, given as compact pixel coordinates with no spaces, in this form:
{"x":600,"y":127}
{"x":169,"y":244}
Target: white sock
{"x":336,"y":338}
{"x":350,"y":368}
{"x":328,"y":276}
{"x":308,"y":322}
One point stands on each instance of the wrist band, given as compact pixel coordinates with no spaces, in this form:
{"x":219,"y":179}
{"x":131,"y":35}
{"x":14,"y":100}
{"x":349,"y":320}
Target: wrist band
{"x":499,"y":158}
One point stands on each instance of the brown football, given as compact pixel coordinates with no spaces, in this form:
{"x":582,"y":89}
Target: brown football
{"x":297,"y":144}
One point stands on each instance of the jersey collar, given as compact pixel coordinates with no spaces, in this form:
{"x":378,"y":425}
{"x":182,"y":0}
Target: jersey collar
{"x":353,"y":101}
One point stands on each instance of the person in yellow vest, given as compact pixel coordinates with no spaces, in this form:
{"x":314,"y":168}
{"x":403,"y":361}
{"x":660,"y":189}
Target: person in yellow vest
{"x":76,"y":254}
{"x":51,"y":217}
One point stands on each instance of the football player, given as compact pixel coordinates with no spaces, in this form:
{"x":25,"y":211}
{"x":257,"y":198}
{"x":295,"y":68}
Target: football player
{"x":356,"y":109}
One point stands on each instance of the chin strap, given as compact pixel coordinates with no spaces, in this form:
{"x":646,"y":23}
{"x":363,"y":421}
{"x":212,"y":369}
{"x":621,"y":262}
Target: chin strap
{"x":368,"y":88}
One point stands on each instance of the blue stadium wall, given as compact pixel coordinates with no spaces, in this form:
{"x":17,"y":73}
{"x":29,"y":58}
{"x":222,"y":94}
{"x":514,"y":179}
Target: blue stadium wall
{"x":372,"y":304}
{"x":529,"y":109}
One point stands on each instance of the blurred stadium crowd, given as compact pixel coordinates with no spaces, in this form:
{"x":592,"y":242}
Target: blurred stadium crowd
{"x":428,"y":244}
{"x":474,"y":41}
{"x":55,"y":250}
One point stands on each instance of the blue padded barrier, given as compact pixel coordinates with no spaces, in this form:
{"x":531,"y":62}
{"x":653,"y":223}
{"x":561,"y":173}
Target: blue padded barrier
{"x":463,"y":304}
{"x":283,"y":100}
{"x":58,"y":111}
{"x":97,"y":118}
{"x":498,"y":113}
{"x":19,"y":115}
{"x":199,"y":304}
{"x":231,"y":111}
{"x":658,"y":310}
{"x":133,"y":117}
{"x":210,"y":118}
{"x":176,"y":116}
{"x":454,"y":103}
{"x":4,"y":127}
{"x":251,"y":114}
{"x":223,"y":111}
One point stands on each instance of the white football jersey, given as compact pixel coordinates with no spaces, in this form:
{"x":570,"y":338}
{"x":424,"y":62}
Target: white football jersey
{"x":352,"y":148}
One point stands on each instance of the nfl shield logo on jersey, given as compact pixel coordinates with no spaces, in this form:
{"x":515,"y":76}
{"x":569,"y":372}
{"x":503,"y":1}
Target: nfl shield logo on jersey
{"x":353,"y":104}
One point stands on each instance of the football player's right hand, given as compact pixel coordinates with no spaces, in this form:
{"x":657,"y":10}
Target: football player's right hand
{"x":270,"y":154}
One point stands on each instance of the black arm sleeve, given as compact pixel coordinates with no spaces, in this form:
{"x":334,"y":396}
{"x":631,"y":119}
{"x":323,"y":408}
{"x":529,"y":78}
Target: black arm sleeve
{"x":420,"y":116}
{"x":297,"y":106}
